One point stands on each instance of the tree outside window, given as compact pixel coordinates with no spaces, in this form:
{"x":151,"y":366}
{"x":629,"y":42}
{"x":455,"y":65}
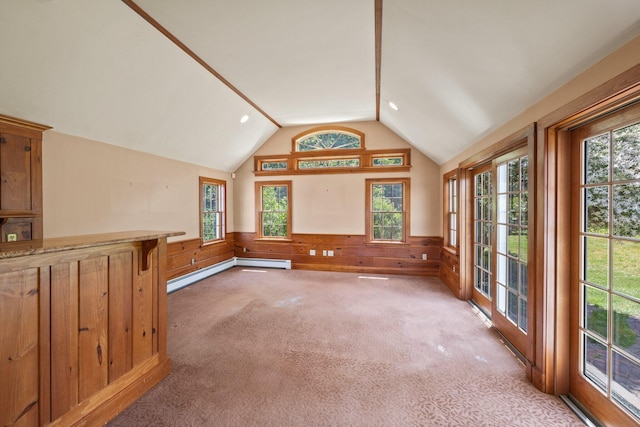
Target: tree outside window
{"x":387,"y":210}
{"x":274,"y":209}
{"x":212,"y":209}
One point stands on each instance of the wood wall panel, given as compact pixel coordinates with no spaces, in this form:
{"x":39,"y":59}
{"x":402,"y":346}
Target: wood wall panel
{"x":180,"y":255}
{"x":120,"y":314}
{"x":143,"y":316}
{"x":94,"y":326}
{"x":19,"y":387}
{"x":64,"y":348}
{"x":67,"y":346}
{"x":351,"y":253}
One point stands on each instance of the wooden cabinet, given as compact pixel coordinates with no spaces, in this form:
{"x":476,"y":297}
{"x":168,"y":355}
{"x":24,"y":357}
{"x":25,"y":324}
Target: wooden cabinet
{"x":449,"y":271}
{"x":20,"y":179}
{"x":83,"y":327}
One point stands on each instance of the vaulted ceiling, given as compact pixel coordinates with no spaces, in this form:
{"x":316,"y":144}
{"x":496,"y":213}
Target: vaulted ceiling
{"x":174,"y":77}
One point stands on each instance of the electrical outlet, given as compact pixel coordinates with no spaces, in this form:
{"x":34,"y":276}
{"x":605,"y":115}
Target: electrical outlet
{"x":424,"y":257}
{"x":330,"y":253}
{"x":12,"y":237}
{"x":312,"y":252}
{"x":244,"y":249}
{"x":193,"y":261}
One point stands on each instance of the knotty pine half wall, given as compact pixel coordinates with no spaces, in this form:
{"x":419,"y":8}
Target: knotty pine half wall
{"x":187,"y":256}
{"x":350,"y":253}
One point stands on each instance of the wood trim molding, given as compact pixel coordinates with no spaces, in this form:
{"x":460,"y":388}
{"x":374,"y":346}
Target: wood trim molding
{"x":366,"y":158}
{"x":26,"y":124}
{"x":378,"y":48}
{"x":499,"y":148}
{"x":553,"y":297}
{"x":140,"y":11}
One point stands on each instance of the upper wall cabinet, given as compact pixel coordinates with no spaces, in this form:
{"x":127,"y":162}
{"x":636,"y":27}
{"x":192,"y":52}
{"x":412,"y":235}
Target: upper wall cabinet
{"x":20,"y":179}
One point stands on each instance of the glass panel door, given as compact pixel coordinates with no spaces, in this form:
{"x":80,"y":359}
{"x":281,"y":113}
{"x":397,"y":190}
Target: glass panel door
{"x":606,"y":347}
{"x":483,"y":238}
{"x":510,"y":310}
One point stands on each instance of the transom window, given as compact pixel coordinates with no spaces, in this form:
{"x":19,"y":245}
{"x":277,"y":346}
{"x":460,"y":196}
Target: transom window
{"x":387,"y":210}
{"x":333,"y":138}
{"x":332,"y":149}
{"x":212,"y":209}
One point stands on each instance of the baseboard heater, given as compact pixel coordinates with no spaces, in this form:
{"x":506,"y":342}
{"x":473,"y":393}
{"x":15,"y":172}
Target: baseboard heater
{"x":186,"y":280}
{"x":263,"y":262}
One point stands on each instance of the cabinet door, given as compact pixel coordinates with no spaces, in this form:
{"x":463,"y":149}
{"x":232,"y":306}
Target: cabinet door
{"x":15,"y":172}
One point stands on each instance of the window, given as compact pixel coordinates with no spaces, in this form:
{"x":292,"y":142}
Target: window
{"x":483,"y":232}
{"x":383,"y":161}
{"x":329,"y":163}
{"x":329,"y":138}
{"x":212,"y":209}
{"x":274,"y":165}
{"x":512,"y":237}
{"x":451,"y":209}
{"x":332,"y":149}
{"x":387,"y":210}
{"x":273,"y":202}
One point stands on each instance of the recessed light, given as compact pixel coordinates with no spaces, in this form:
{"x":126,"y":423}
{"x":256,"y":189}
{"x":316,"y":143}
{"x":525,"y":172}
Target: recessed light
{"x":244,"y":119}
{"x":393,"y":106}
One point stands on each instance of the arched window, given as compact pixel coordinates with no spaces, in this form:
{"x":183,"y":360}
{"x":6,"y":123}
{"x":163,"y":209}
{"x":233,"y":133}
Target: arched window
{"x":328,"y":138}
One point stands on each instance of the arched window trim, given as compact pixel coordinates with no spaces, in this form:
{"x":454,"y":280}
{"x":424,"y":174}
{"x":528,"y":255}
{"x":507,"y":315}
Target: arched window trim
{"x":327,"y":129}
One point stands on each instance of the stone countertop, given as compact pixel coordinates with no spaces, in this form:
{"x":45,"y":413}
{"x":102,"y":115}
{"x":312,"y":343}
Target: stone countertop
{"x":59,"y":244}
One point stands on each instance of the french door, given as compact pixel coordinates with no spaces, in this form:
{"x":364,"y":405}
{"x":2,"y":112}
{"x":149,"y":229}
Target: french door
{"x":501,"y":249}
{"x":511,"y":305}
{"x":605,"y":274}
{"x":482,"y":293}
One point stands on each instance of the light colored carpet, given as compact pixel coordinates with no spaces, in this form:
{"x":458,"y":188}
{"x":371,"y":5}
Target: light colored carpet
{"x":300,"y":348}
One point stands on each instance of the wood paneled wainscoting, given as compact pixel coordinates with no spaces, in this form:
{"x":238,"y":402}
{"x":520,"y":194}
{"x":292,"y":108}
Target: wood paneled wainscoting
{"x":449,"y":271}
{"x":350,"y":253}
{"x":83,"y":327}
{"x":187,"y":256}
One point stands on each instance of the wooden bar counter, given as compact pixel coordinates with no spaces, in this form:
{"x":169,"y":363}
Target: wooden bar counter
{"x":83,"y":326}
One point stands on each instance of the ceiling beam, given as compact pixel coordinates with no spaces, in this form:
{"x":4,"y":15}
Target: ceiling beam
{"x":199,"y":60}
{"x":378,"y":29}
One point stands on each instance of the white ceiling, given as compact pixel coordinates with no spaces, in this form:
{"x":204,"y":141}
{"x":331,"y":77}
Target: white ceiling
{"x":457,"y":69}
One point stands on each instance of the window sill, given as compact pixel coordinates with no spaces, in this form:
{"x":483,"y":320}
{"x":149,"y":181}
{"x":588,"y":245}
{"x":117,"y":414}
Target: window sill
{"x":273,"y":239}
{"x":451,"y":250}
{"x":211,"y":242}
{"x":386,"y":242}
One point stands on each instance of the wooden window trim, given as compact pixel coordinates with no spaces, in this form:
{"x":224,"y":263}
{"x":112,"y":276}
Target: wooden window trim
{"x":365,"y":156}
{"x":221,"y":184}
{"x":446,"y":201}
{"x":258,"y":208}
{"x":406,"y":193}
{"x":553,"y":236}
{"x":322,"y":129}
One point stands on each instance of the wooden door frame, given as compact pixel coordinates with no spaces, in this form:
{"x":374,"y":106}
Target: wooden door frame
{"x":524,"y":137}
{"x":551,"y":372}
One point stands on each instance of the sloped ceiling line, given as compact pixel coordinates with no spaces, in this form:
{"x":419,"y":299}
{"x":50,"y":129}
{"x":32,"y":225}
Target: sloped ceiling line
{"x":136,"y":8}
{"x":378,"y":30}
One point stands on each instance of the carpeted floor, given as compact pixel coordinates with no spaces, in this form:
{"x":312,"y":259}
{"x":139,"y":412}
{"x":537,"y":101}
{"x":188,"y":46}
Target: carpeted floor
{"x":300,"y":348}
